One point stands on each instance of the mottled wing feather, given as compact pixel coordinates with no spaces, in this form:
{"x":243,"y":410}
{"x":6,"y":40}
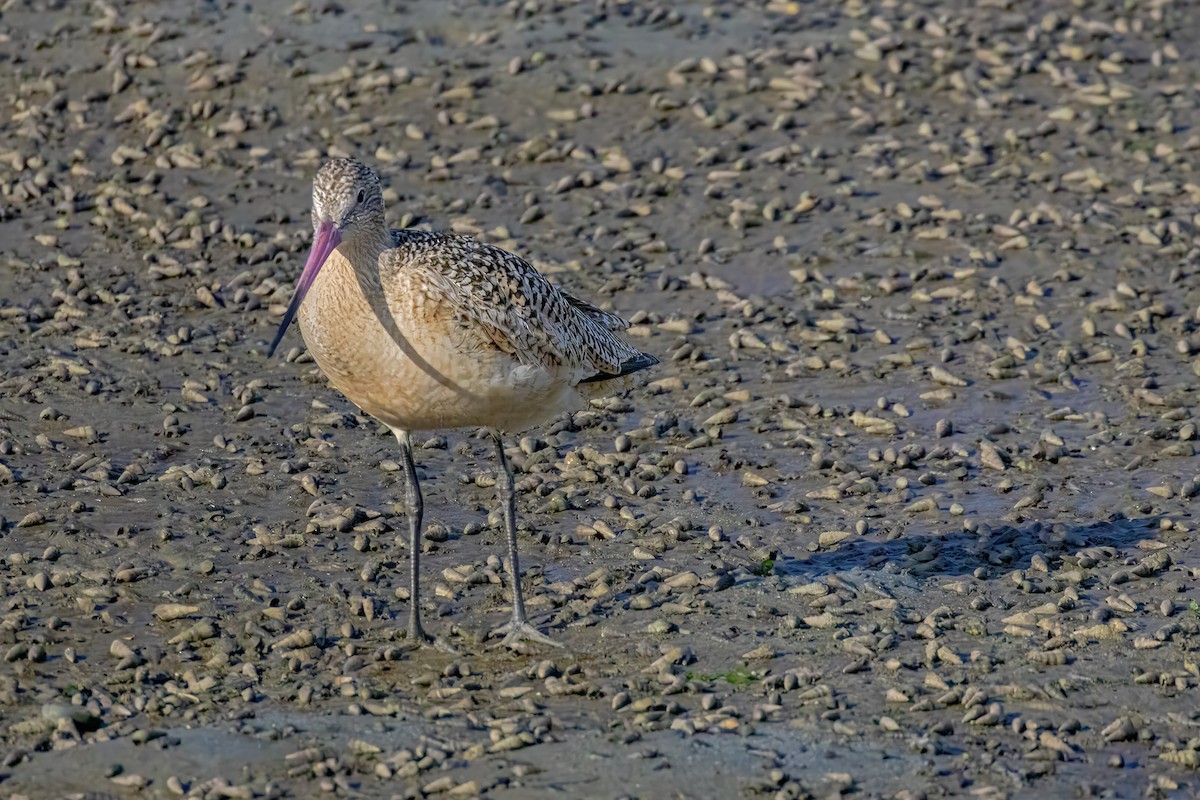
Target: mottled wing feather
{"x":512,"y":304}
{"x":605,"y":318}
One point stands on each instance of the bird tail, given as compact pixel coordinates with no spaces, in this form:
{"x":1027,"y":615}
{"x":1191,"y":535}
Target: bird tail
{"x":606,"y":384}
{"x":636,"y":364}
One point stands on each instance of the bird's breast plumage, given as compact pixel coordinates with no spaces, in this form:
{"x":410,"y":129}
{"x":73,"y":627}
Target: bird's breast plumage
{"x":399,"y":350}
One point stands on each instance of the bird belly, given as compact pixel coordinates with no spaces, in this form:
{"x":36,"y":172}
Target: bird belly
{"x":415,"y":371}
{"x":430,"y":391}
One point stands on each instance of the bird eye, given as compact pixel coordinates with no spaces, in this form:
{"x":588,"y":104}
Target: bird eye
{"x":361,"y":195}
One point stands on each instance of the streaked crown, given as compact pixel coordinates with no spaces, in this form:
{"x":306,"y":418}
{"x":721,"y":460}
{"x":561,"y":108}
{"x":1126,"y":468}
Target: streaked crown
{"x":347,"y":192}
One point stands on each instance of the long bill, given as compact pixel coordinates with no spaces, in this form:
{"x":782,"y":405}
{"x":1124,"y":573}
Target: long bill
{"x":325,"y":241}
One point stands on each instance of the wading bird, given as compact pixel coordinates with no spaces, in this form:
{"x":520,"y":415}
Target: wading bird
{"x":434,"y":330}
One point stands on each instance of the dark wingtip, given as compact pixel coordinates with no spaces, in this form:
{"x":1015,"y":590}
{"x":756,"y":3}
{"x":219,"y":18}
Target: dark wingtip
{"x":641,"y":362}
{"x":636,"y":364}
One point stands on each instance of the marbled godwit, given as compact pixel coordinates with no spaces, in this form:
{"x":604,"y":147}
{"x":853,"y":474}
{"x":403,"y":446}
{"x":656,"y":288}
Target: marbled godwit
{"x":431,"y":330}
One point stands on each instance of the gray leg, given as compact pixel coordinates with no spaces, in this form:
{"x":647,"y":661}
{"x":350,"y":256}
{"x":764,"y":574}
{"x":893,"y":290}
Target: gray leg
{"x":518,"y":628}
{"x":416,"y":509}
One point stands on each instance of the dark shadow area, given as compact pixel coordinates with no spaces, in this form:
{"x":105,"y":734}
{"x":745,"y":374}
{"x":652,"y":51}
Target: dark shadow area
{"x":1001,"y":548}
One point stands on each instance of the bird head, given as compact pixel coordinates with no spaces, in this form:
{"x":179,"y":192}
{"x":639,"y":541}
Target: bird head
{"x":347,"y":206}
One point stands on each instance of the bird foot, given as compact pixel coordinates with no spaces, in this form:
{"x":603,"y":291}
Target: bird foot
{"x":519,"y":633}
{"x":418,"y":637}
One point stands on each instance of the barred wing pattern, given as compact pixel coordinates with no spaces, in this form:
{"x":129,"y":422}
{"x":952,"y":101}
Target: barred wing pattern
{"x":514,"y":306}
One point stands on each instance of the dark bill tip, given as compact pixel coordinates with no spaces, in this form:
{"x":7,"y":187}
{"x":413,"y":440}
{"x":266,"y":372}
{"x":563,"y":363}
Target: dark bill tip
{"x":325,"y":241}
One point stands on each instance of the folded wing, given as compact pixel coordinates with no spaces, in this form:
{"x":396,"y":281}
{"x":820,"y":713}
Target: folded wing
{"x":515,"y":308}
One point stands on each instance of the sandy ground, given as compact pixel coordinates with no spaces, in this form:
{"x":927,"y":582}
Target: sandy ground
{"x":905,"y":511}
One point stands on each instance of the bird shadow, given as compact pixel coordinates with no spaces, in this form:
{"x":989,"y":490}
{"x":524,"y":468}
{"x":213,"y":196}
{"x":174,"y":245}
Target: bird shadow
{"x":371,"y":283}
{"x":904,"y":561}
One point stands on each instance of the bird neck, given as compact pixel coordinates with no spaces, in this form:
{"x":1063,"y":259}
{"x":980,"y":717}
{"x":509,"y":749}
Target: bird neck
{"x":363,"y":249}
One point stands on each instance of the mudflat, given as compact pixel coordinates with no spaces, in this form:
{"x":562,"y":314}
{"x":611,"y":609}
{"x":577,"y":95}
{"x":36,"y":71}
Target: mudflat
{"x":906,"y":510}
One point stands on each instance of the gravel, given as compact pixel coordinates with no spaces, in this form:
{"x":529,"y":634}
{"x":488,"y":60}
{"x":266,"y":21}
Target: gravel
{"x":904,"y":512}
